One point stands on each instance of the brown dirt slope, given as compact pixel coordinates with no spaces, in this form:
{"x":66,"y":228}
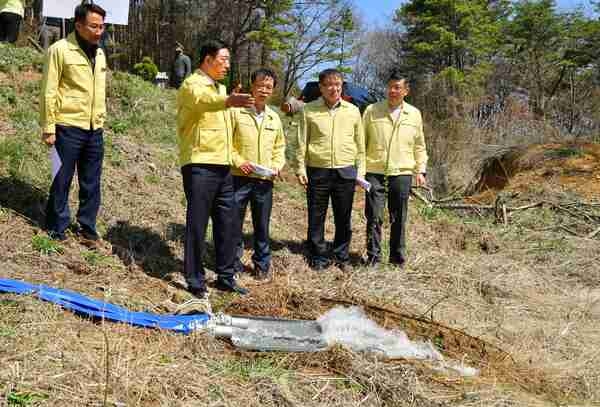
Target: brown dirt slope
{"x":564,"y":167}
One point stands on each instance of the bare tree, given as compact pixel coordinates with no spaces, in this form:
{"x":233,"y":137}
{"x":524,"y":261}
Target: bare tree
{"x":376,"y":54}
{"x":315,"y":38}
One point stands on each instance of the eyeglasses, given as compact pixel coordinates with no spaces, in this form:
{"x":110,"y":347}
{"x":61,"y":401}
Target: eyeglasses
{"x":95,"y":27}
{"x":264,"y":87}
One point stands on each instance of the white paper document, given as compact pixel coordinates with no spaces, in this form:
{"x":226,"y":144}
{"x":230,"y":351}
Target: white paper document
{"x":55,"y":161}
{"x":262,"y":170}
{"x":366,"y":185}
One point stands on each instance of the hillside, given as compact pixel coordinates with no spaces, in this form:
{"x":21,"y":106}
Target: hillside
{"x":519,"y":301}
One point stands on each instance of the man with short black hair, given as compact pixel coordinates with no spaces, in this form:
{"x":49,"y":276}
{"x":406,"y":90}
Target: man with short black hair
{"x":396,"y":152}
{"x":329,"y":157}
{"x":204,"y":137}
{"x":258,"y":157}
{"x":73,"y":111}
{"x":11,"y":15}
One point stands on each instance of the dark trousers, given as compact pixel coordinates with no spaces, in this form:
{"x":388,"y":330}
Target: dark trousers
{"x":82,"y":150}
{"x":398,"y":190}
{"x":9,"y":27}
{"x":259,"y":193}
{"x":323,"y":184}
{"x":177,"y":81}
{"x":209,"y":193}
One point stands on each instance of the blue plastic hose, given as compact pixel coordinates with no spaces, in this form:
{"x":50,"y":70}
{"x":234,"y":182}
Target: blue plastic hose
{"x":85,"y":306}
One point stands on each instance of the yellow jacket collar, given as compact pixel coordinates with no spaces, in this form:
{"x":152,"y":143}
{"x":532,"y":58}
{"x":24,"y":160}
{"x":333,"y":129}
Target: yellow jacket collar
{"x":407,"y":108}
{"x":72,"y":41}
{"x":384,"y":107}
{"x":205,"y":78}
{"x":269,"y":112}
{"x":74,"y":45}
{"x":342,"y":103}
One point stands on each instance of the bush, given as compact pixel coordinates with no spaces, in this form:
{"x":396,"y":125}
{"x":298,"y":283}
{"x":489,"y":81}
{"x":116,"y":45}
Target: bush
{"x":14,"y":59}
{"x":146,"y":69}
{"x":137,"y":106}
{"x":12,"y":156}
{"x":8,"y":96}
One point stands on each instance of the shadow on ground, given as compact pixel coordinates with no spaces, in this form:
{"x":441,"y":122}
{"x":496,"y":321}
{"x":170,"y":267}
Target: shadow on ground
{"x":23,"y":198}
{"x":297,"y":247}
{"x":143,"y":247}
{"x":151,"y":252}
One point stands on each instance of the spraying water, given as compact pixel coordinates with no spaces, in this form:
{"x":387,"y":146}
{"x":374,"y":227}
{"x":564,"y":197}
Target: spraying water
{"x":350,"y":327}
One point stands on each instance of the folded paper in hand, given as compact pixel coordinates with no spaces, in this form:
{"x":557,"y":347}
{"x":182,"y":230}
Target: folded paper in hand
{"x":366,"y":185}
{"x":55,"y":160}
{"x":263,"y":171}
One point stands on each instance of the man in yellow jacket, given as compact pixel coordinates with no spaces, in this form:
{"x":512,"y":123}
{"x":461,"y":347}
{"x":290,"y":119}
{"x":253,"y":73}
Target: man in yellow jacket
{"x":11,"y":14}
{"x":396,"y":153}
{"x":204,"y":136}
{"x":72,"y":116}
{"x":258,"y":157}
{"x":330,"y":156}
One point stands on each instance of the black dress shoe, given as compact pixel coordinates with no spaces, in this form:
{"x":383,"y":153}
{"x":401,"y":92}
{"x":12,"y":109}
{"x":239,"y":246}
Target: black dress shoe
{"x":262,"y":274}
{"x":85,"y":233}
{"x":197,"y":292}
{"x":344,"y":267}
{"x":372,"y":263}
{"x":61,"y":237}
{"x":319,"y":265}
{"x":230,"y":286}
{"x":92,"y":236}
{"x":398,"y":265}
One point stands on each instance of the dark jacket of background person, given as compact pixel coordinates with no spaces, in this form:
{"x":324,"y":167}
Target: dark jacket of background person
{"x":182,"y":68}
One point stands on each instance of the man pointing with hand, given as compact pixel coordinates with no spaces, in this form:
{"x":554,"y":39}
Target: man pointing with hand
{"x":204,"y":135}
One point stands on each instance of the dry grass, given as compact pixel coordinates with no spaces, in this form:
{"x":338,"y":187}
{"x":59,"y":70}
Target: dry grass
{"x":521,"y":305}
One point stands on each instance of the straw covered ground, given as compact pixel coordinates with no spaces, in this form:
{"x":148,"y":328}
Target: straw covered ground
{"x":519,"y":301}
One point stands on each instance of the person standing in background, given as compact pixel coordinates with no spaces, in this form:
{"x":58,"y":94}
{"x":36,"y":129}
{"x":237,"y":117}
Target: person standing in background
{"x":396,"y":153}
{"x":182,"y":67}
{"x":51,"y":31}
{"x":11,"y":15}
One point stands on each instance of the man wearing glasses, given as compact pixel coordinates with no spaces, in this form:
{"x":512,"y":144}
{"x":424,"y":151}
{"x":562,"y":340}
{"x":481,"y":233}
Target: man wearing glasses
{"x":72,"y":113}
{"x":258,"y":157}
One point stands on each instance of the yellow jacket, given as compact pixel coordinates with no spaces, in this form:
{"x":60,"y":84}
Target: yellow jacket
{"x":326,"y":141}
{"x":71,"y":94}
{"x":12,"y":6}
{"x":262,"y":144}
{"x":203,"y":122}
{"x":394,"y":148}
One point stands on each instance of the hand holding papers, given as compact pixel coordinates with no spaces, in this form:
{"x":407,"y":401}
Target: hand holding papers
{"x":55,"y":160}
{"x":366,"y":185}
{"x":263,"y":171}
